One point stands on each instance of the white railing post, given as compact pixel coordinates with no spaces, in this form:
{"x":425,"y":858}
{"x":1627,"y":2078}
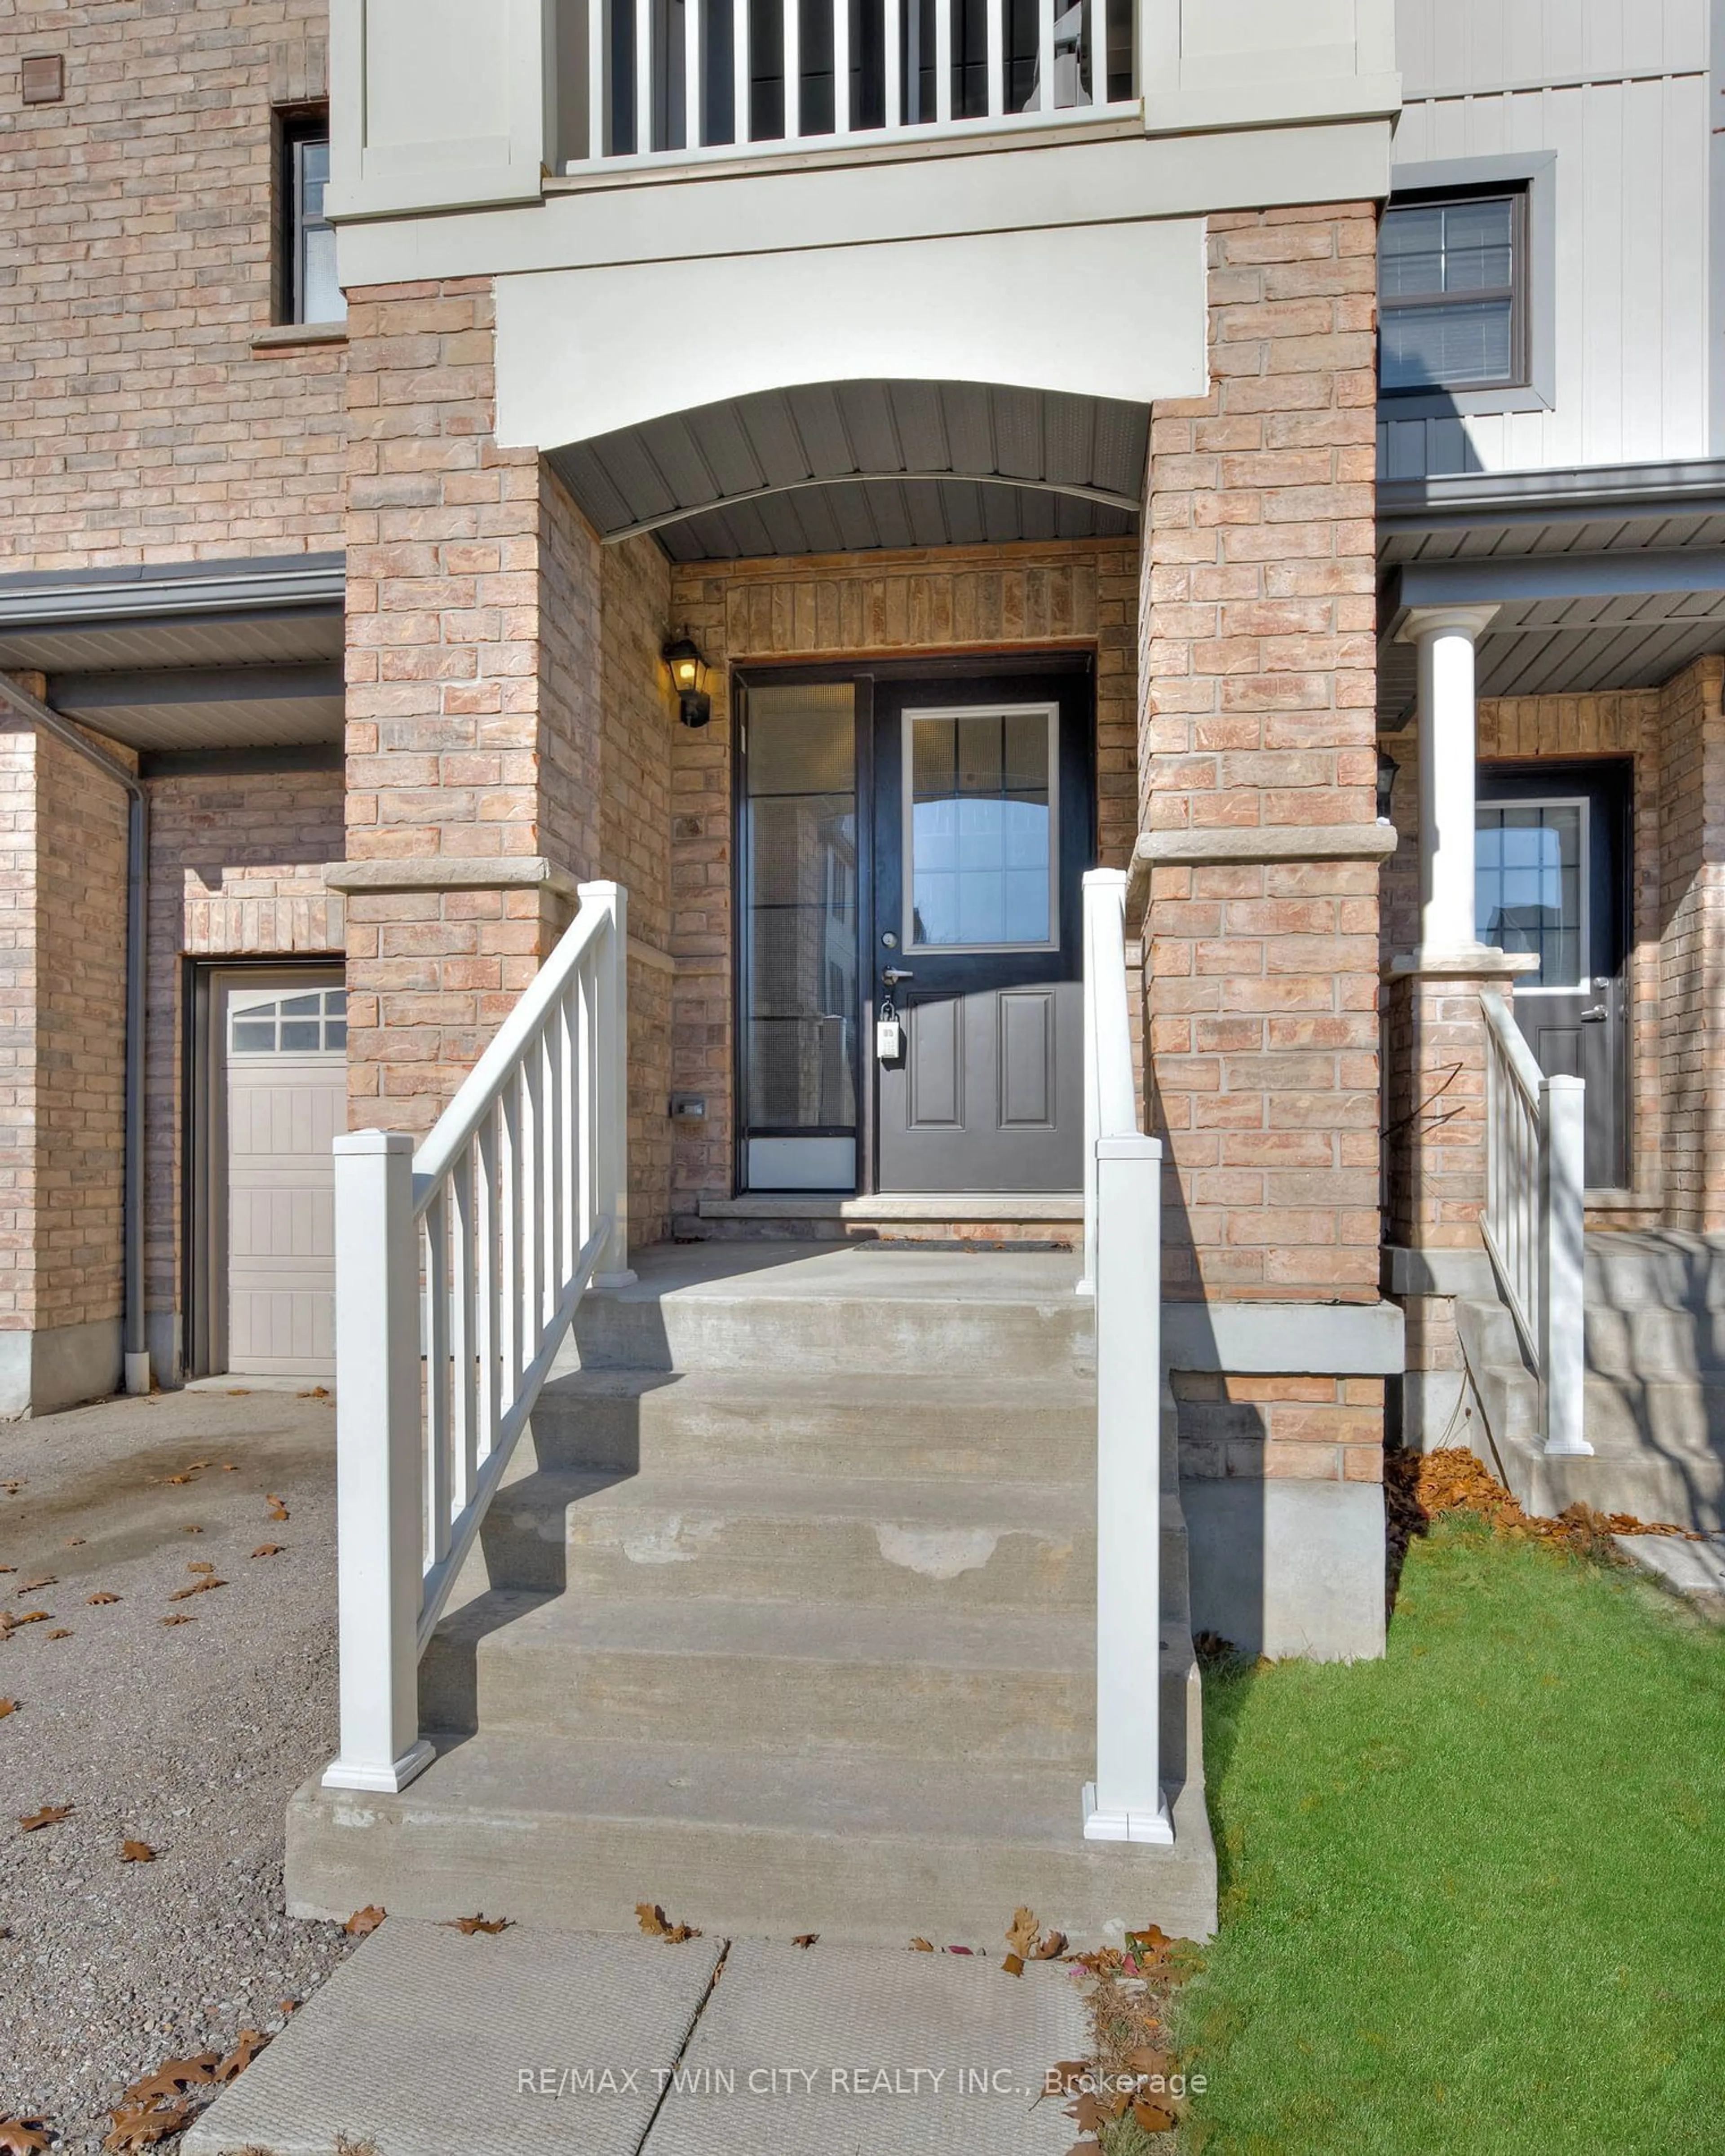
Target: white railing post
{"x":1563,"y":1319}
{"x":1104,"y":954}
{"x":379,"y":1482}
{"x":1125,"y":1802}
{"x":611,"y":1109}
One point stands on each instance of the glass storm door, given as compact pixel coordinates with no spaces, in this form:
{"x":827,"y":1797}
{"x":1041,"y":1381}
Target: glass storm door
{"x":983,"y":829}
{"x":1549,"y":872}
{"x":801,"y":997}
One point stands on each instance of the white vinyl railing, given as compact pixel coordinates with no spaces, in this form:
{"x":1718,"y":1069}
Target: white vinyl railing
{"x":1122,"y":1241}
{"x":458,"y":1271}
{"x":1532,"y":1225}
{"x":669,"y":80}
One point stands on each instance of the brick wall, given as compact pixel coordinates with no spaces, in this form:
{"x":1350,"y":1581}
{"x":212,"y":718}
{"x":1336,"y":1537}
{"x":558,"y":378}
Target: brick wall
{"x":1259,"y":662}
{"x":634,"y":850}
{"x":63,"y":840}
{"x":472,"y":604}
{"x":1300,"y":1429}
{"x":1692,"y":1026}
{"x":236,"y":871}
{"x":1077,"y":594}
{"x":141,"y":425}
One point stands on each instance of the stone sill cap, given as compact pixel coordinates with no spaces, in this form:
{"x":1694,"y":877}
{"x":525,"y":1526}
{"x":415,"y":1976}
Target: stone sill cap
{"x":291,"y":337}
{"x":1253,"y":844}
{"x":1484,"y":963}
{"x":441,"y":872}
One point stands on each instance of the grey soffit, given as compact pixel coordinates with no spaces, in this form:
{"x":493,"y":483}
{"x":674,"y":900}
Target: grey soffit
{"x":854,"y":466}
{"x":1602,"y":579}
{"x":251,"y":613}
{"x":209,"y":708}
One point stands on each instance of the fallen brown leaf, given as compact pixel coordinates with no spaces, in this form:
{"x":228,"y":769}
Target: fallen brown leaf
{"x":1088,"y":2112}
{"x":191,"y":1531}
{"x":172,"y":2078}
{"x":24,"y":2136}
{"x":136,"y":1852}
{"x":1154,"y":2116}
{"x":179,"y":1617}
{"x":50,"y":1815}
{"x":1053,"y":1946}
{"x":268,"y":1549}
{"x":653,"y":1922}
{"x":35,"y":1586}
{"x":1023,"y":1932}
{"x":1013,"y":1964}
{"x":230,"y":1468}
{"x":467,"y":1926}
{"x":62,"y":1634}
{"x":9,"y":1568}
{"x":364,"y":1922}
{"x":239,"y":1392}
{"x":1068,"y":2074}
{"x":76,"y":1542}
{"x":176,"y":1482}
{"x":200,"y":1564}
{"x":99,"y":1601}
{"x":805,"y":1938}
{"x":279,"y":1513}
{"x":7,"y":1707}
{"x":922,"y":1946}
{"x":33,"y":1617}
{"x":246,"y":2048}
{"x":197,"y":1587}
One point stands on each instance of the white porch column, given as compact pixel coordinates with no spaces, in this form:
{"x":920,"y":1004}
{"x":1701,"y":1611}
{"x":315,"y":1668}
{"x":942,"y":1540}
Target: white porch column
{"x":1446,"y":636}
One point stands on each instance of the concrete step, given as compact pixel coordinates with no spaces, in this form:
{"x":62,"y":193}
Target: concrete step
{"x":624,"y":1421}
{"x":931,"y":1546}
{"x":869,"y":1851}
{"x":1680,"y":1418}
{"x":798,"y":1678}
{"x":847,"y":1308}
{"x":1654,"y":1340}
{"x":1665,"y":1267}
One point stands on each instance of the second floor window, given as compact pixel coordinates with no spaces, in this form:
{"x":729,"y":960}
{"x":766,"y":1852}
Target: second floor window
{"x":311,"y":291}
{"x":1452,"y":293}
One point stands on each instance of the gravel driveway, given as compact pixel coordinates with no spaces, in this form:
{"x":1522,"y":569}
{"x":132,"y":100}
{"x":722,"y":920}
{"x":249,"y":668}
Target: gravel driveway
{"x":189,"y":1737}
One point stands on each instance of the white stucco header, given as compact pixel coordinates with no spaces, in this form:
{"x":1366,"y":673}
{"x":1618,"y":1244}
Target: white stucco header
{"x":1114,"y":310}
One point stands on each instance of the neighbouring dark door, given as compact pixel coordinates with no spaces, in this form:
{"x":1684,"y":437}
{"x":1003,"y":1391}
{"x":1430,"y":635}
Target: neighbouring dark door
{"x":1551,"y":879}
{"x":983,"y":826}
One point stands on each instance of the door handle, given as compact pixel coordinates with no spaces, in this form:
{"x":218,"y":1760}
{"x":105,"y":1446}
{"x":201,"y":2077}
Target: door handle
{"x":1596,"y":1016}
{"x":892,"y":975}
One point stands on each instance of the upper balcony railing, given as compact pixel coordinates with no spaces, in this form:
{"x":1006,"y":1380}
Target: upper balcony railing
{"x":674,"y":81}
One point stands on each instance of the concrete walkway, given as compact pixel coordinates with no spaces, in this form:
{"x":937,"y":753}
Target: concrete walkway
{"x":428,"y":2041}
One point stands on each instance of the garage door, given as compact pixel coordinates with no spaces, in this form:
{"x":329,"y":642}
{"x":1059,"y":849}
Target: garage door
{"x":286,"y":1100}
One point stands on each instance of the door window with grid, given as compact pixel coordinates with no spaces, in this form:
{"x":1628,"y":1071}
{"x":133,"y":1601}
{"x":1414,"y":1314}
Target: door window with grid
{"x":980,"y":818}
{"x":1530,"y":886}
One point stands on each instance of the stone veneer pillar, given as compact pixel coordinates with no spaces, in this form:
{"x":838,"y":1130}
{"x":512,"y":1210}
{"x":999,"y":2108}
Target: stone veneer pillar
{"x":1256,"y":882}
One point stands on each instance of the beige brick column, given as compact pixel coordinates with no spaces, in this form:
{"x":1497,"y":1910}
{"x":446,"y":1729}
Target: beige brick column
{"x":473,"y":701}
{"x":1257,"y":883}
{"x":63,"y":927}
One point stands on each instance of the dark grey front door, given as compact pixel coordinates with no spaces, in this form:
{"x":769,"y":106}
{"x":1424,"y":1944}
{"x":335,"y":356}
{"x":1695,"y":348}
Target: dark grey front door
{"x":984,"y":827}
{"x":1550,"y":877}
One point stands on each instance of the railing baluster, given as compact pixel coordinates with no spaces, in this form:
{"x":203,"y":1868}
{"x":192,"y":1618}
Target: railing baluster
{"x":892,"y":43}
{"x":509,"y":1256}
{"x":841,"y":67}
{"x":463,"y":1374}
{"x":568,"y":1121}
{"x":437,"y":1377}
{"x":489,"y":1212}
{"x":1045,"y":53}
{"x":741,"y":97}
{"x":598,"y":76}
{"x":943,"y":60}
{"x":792,"y":48}
{"x":643,"y":77}
{"x":528,"y":1084}
{"x":551,"y":1185}
{"x":692,"y":75}
{"x":996,"y":58}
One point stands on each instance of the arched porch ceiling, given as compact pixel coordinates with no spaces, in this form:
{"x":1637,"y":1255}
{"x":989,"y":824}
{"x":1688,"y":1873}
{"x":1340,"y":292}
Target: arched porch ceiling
{"x":851,"y":466}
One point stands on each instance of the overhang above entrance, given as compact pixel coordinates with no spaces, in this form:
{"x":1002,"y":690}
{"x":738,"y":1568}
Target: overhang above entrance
{"x":848,"y":466}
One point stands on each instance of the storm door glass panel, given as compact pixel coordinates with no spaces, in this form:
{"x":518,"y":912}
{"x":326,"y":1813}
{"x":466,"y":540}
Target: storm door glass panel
{"x":979,"y":828}
{"x":801,"y":990}
{"x":1530,"y":886}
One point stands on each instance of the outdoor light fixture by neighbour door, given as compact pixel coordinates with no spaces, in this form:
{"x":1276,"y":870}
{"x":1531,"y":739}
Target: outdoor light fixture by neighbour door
{"x":688,"y":673}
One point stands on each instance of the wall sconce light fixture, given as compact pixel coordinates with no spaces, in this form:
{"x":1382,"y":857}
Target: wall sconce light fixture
{"x":1387,"y":768}
{"x":688,"y":673}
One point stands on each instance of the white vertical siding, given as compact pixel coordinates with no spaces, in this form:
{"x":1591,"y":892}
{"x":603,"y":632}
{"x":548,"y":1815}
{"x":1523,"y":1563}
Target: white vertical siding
{"x":1633,"y":218}
{"x":1461,"y":47}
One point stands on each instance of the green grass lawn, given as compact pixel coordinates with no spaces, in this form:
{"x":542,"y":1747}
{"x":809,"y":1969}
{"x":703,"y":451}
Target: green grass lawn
{"x":1473,"y":1896}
